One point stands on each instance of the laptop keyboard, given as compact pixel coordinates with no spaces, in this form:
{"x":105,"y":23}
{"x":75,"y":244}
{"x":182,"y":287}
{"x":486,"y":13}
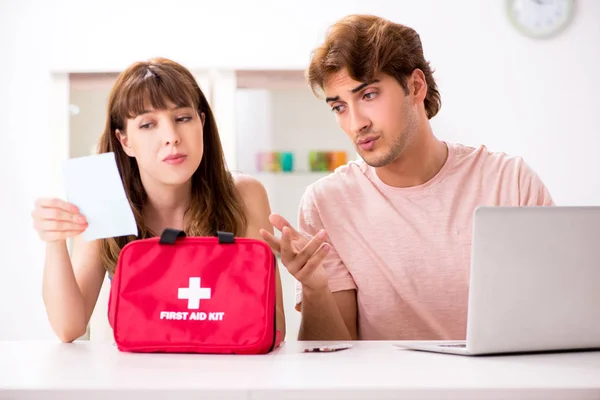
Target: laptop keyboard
{"x":453,"y":345}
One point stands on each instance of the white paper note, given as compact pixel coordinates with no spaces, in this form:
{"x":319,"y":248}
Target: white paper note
{"x":93,"y":184}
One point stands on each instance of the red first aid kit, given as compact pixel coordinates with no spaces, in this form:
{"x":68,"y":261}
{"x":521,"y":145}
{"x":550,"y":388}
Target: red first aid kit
{"x":178,"y":294}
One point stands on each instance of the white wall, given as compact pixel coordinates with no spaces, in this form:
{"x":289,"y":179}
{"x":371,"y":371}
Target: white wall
{"x":536,"y":99}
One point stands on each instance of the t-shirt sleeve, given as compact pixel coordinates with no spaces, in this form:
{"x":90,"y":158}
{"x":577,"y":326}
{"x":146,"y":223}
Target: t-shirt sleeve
{"x":309,"y":222}
{"x":532,"y":191}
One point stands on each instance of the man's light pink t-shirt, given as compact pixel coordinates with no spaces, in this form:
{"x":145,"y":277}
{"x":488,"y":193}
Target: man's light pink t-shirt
{"x":407,"y":250}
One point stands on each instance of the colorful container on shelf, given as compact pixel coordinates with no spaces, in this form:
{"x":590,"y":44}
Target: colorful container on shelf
{"x":283,"y":161}
{"x":326,"y":160}
{"x":287,"y":161}
{"x":275,"y":161}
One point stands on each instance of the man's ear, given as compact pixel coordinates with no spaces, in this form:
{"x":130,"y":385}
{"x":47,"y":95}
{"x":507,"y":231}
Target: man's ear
{"x":418,"y":85}
{"x":123,"y":139}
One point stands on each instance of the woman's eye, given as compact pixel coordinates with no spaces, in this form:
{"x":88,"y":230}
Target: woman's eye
{"x":146,"y":126}
{"x":184,"y":119}
{"x":370,"y":95}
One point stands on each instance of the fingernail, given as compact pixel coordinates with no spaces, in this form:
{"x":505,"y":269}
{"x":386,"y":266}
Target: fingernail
{"x":322,"y":234}
{"x":81,"y":219}
{"x":326,"y":247}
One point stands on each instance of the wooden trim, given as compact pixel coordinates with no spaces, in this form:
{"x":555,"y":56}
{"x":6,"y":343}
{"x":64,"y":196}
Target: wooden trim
{"x":84,"y":81}
{"x":246,"y":79}
{"x":271,"y":79}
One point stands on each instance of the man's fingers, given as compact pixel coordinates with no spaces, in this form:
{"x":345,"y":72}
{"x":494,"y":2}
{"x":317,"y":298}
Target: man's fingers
{"x":279,"y":223}
{"x":313,"y":262}
{"x":311,"y":247}
{"x":271,"y":240}
{"x":287,"y":250}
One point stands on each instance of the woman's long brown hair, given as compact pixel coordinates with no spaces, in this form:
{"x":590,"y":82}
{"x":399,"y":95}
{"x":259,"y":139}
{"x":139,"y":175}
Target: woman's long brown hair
{"x":215,"y":202}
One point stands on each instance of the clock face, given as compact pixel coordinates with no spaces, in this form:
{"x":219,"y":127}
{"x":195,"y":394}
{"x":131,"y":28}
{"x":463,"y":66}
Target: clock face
{"x":540,"y":18}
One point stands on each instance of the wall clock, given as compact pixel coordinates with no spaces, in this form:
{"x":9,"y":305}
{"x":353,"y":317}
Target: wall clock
{"x":540,"y":19}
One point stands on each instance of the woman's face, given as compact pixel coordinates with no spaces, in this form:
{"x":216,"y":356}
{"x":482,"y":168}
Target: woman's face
{"x":167,"y":144}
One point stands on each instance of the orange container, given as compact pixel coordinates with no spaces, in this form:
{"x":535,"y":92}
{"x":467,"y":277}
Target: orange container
{"x":337,"y":159}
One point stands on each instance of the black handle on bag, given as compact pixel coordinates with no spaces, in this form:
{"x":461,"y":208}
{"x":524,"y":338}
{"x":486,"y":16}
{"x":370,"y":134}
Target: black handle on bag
{"x":225,"y":237}
{"x":169,"y":236}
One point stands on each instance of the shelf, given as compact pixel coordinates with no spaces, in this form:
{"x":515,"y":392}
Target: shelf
{"x":291,"y":173}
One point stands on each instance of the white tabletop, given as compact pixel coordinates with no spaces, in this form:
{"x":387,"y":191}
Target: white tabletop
{"x":369,"y":370}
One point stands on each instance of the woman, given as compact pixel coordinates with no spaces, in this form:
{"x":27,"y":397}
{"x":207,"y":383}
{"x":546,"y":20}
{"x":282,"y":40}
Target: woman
{"x":169,"y":155}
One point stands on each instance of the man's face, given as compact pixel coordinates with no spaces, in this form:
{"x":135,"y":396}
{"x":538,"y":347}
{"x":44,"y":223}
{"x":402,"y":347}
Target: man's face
{"x":379,"y":117}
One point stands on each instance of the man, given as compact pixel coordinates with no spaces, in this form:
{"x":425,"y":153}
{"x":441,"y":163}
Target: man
{"x":383,"y":248}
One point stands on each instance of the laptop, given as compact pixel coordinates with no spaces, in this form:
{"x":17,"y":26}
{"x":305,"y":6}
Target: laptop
{"x":534,"y":282}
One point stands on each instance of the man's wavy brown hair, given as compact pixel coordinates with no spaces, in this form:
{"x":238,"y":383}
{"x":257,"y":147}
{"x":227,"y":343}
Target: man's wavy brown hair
{"x":368,"y":45}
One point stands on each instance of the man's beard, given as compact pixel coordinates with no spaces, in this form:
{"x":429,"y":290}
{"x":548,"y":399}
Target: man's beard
{"x":392,"y":155}
{"x":399,"y":144}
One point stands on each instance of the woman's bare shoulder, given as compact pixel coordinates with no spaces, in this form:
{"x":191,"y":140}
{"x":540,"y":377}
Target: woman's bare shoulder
{"x":251,"y":189}
{"x":256,"y":201}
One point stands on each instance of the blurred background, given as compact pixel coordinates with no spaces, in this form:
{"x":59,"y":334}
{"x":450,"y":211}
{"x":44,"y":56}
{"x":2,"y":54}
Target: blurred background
{"x":500,"y":86}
